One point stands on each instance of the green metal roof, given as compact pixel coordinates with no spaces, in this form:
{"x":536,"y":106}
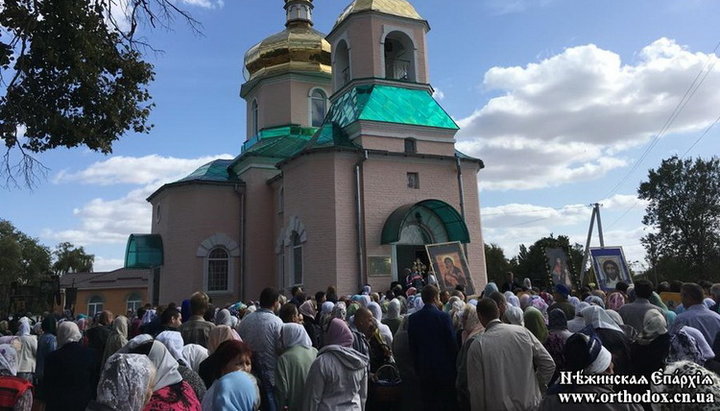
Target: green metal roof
{"x":216,"y":170}
{"x":144,"y":251}
{"x":283,"y":141}
{"x":389,"y":104}
{"x":453,"y":221}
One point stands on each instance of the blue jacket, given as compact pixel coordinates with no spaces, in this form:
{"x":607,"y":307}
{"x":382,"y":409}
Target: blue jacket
{"x":433,"y":346}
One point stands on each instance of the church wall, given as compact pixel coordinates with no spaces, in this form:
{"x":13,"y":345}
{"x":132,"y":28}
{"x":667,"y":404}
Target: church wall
{"x":309,"y":190}
{"x":367,"y":45}
{"x":259,"y":256}
{"x":301,"y":98}
{"x":398,"y":145}
{"x":415,"y":30}
{"x":385,"y":189}
{"x":476,"y":249}
{"x":189,"y":214}
{"x":348,"y":271}
{"x":273,"y":97}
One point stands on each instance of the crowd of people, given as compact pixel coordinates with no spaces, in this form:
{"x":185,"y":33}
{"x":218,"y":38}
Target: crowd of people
{"x":513,"y":347}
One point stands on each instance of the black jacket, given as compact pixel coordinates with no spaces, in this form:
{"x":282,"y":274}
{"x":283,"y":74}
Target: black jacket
{"x":71,"y":378}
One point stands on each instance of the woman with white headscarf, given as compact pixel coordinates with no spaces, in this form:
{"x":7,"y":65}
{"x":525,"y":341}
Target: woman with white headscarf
{"x":223,"y":317}
{"x":611,"y":335}
{"x":118,"y":336}
{"x":512,"y":299}
{"x":393,"y":319}
{"x":385,"y":331}
{"x":170,"y":391}
{"x":293,"y":366}
{"x":126,"y":383}
{"x":585,"y":353}
{"x":17,"y":392}
{"x":194,"y":354}
{"x":514,"y":315}
{"x":650,"y":350}
{"x":28,"y":351}
{"x":71,"y":371}
{"x":173,"y":341}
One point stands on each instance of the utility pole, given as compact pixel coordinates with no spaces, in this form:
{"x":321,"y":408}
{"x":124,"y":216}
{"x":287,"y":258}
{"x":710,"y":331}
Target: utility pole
{"x":595,"y":215}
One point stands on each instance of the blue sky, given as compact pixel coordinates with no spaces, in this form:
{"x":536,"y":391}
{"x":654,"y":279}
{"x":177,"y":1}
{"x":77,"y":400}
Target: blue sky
{"x":560,"y":98}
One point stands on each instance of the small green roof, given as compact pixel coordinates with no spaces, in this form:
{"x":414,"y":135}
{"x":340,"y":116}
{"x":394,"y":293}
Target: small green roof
{"x":280,"y":142}
{"x":452,"y":220}
{"x":216,"y":170}
{"x":389,"y":104}
{"x":144,"y":251}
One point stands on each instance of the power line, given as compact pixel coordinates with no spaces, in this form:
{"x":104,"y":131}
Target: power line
{"x":701,"y":136}
{"x":666,"y":126}
{"x":637,"y":202}
{"x":539,"y":210}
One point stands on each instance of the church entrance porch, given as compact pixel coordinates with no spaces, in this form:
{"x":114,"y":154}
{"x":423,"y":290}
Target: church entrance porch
{"x":409,"y":228}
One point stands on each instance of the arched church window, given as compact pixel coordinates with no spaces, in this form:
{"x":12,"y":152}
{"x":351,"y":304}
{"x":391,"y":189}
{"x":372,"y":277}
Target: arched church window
{"x":297,"y":258}
{"x":217,"y":279}
{"x":399,"y":52}
{"x":318,"y":107}
{"x":255,"y":118}
{"x":341,"y":67}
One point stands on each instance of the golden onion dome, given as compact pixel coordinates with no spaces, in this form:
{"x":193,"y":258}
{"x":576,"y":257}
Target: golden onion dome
{"x":297,"y":48}
{"x":400,"y":8}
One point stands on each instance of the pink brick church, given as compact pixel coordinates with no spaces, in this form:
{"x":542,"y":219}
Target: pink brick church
{"x":348,"y":171}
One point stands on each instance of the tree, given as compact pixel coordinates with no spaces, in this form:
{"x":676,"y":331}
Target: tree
{"x":497,"y":264}
{"x":684,"y":211}
{"x":532,"y":263}
{"x":22,"y":258}
{"x":69,"y":259}
{"x":74,"y":76}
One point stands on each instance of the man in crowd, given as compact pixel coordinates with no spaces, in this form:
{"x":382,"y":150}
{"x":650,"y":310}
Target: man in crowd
{"x":698,"y":315}
{"x":261,"y":331}
{"x":433,"y":349}
{"x":509,"y":284}
{"x":561,"y":301}
{"x":715,"y":295}
{"x":97,"y":336}
{"x":496,"y":383}
{"x":633,"y":314}
{"x":380,"y":352}
{"x":196,"y":330}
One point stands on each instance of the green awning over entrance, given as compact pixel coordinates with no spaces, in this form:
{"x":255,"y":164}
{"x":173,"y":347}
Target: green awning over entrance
{"x":406,"y":215}
{"x":144,"y":251}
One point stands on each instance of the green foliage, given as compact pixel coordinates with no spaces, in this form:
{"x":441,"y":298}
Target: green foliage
{"x":69,"y":259}
{"x":497,"y":264}
{"x":73,"y":76}
{"x":684,"y":211}
{"x":22,"y":258}
{"x":532,"y":263}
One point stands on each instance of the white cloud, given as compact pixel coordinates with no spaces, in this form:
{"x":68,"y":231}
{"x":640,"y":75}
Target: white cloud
{"x":568,"y":117}
{"x":102,"y":264}
{"x":208,"y":4}
{"x":438,"y":94}
{"x":103,"y":221}
{"x":134,"y":170}
{"x":623,"y":201}
{"x":499,"y":7}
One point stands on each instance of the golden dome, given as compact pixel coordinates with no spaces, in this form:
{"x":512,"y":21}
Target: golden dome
{"x":400,"y":8}
{"x":297,"y":48}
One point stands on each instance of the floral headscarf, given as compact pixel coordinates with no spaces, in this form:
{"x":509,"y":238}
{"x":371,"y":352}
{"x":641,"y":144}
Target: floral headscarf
{"x":615,"y":300}
{"x":125,"y":381}
{"x":8,"y":360}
